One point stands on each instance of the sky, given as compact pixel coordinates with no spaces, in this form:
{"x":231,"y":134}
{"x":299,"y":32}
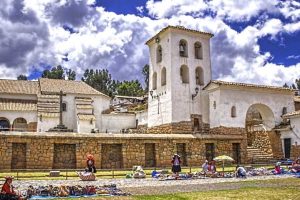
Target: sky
{"x":255,"y":41}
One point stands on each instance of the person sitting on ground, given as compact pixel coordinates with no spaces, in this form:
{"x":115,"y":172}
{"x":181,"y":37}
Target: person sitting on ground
{"x":296,"y":166}
{"x":90,"y":163}
{"x":240,"y":172}
{"x":7,"y":191}
{"x":176,"y":165}
{"x":277,"y":169}
{"x":205,"y":166}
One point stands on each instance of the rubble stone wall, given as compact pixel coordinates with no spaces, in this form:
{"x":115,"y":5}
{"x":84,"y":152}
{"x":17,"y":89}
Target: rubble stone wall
{"x":295,"y":152}
{"x":19,"y":155}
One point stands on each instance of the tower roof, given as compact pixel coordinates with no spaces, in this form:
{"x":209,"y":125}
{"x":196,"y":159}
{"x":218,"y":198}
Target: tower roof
{"x":178,"y":28}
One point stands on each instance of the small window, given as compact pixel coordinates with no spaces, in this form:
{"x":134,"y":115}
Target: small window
{"x":184,"y":74}
{"x":215,"y":105}
{"x":284,"y":110}
{"x":199,"y":76}
{"x":233,"y":111}
{"x":198,"y":50}
{"x":154,"y":81}
{"x":183,"y":48}
{"x":163,"y":76}
{"x":64,"y":107}
{"x":159,"y":54}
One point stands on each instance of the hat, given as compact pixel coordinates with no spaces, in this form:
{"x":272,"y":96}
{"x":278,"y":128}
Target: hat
{"x":9,"y":177}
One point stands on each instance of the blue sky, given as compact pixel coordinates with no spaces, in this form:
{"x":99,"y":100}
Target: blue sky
{"x":256,"y":41}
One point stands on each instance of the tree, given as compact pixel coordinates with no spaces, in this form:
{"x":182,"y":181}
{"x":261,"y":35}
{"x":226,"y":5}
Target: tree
{"x":100,"y":79}
{"x":54,"y":73}
{"x":130,"y":88}
{"x":285,"y":85}
{"x":146,"y":77}
{"x":22,"y":77}
{"x":297,"y":81}
{"x":70,"y":74}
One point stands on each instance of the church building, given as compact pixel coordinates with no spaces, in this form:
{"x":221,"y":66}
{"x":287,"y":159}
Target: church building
{"x":188,"y":113}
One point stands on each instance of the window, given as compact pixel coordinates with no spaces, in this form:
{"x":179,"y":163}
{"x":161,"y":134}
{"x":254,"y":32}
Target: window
{"x":198,"y":50}
{"x":183,"y":50}
{"x":215,"y":105}
{"x":284,"y":110}
{"x":154,"y":81}
{"x":199,"y":76}
{"x":184,"y":74}
{"x":233,"y":111}
{"x":159,"y":54}
{"x":209,"y":151}
{"x":196,"y":124}
{"x":236,"y":152}
{"x":163,"y":76}
{"x":64,"y":107}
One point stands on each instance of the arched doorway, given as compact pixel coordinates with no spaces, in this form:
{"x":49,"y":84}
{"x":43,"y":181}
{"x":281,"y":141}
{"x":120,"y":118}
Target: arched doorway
{"x":260,"y":122}
{"x":4,"y":124}
{"x":20,"y":124}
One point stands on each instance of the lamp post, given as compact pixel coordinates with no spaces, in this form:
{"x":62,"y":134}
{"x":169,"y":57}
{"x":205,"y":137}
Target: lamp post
{"x":194,"y":95}
{"x":155,"y":96}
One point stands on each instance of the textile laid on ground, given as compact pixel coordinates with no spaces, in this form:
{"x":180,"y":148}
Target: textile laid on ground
{"x":87,"y":176}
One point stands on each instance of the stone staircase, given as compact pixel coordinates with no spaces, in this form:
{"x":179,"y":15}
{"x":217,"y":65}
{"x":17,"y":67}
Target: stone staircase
{"x":257,"y":156}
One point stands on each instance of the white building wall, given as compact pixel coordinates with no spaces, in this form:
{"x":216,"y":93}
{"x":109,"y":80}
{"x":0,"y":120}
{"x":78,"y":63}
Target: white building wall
{"x":294,"y":133}
{"x":176,"y":98}
{"x":46,"y":124}
{"x":29,"y":116}
{"x":242,"y":99}
{"x":142,"y":117}
{"x":85,"y":126}
{"x":114,"y":123}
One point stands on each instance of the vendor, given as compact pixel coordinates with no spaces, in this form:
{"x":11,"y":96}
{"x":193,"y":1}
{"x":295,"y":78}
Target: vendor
{"x":240,"y":172}
{"x":176,"y":165}
{"x":296,"y":166}
{"x":277,"y":169}
{"x":7,"y":191}
{"x":90,"y":163}
{"x":205,"y":166}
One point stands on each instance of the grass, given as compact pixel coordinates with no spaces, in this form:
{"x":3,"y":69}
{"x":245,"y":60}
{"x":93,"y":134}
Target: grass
{"x":38,"y":175}
{"x":272,"y":189}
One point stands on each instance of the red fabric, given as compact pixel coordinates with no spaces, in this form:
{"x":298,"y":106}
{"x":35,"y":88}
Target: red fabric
{"x":6,"y":189}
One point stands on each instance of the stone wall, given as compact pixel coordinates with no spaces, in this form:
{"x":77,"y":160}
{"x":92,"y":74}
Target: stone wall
{"x":262,"y":141}
{"x":19,"y":156}
{"x":112,"y":150}
{"x":64,"y":156}
{"x":276,"y":144}
{"x":150,"y":155}
{"x":295,"y":152}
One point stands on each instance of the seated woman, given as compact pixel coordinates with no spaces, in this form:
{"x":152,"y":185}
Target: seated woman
{"x":88,"y":174}
{"x":277,"y":169}
{"x":240,"y":172}
{"x":7,"y":191}
{"x":296,"y":166}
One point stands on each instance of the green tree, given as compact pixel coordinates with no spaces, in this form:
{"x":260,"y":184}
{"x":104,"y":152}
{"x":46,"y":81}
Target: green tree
{"x":297,"y":81}
{"x":286,"y":85}
{"x":54,"y":73}
{"x":100,"y":79}
{"x":130,"y":88}
{"x":70,"y":74}
{"x":146,"y":77}
{"x":22,"y":77}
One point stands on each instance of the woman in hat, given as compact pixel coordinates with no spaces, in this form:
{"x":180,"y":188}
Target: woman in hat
{"x":7,"y":191}
{"x":176,"y":165}
{"x":90,"y":163}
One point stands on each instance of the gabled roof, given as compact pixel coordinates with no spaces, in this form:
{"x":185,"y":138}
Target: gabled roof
{"x":178,"y":28}
{"x":292,"y":114}
{"x":54,"y":86}
{"x":18,"y":87}
{"x":248,"y":85}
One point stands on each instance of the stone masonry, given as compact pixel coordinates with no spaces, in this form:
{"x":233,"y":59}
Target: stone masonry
{"x":112,"y":150}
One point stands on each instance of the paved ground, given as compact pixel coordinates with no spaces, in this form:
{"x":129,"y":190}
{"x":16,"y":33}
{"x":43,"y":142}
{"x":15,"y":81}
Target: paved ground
{"x":155,"y":186}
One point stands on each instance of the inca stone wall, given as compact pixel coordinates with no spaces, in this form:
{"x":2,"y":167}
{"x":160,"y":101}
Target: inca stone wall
{"x":295,"y":152}
{"x":276,"y":144}
{"x":64,"y":156}
{"x":262,"y":141}
{"x":112,"y":156}
{"x":113,"y":150}
{"x":150,"y":158}
{"x":19,"y":156}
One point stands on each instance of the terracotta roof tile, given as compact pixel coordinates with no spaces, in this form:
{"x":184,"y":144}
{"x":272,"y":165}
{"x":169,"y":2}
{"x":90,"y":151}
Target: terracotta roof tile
{"x":247,"y":85}
{"x":18,"y":87}
{"x":50,"y":86}
{"x":178,"y":28}
{"x":86,"y":117}
{"x":17,"y":105}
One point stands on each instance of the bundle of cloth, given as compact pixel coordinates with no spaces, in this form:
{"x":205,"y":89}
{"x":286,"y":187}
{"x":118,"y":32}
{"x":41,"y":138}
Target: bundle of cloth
{"x":138,"y":172}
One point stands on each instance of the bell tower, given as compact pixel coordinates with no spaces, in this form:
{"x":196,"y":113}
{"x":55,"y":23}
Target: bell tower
{"x":179,"y":68}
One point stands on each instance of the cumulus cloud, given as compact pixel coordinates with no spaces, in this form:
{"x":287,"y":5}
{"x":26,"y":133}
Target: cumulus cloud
{"x":80,"y":36}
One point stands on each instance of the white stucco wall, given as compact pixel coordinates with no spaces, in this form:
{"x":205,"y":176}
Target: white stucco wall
{"x":29,"y":116}
{"x":294,"y":133}
{"x":114,"y":123}
{"x":142,"y":117}
{"x":242,"y":99}
{"x":175,"y":98}
{"x":46,"y":124}
{"x":85,"y":126}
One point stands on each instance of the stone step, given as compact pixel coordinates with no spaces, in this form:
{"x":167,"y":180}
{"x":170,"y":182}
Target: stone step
{"x":256,"y":155}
